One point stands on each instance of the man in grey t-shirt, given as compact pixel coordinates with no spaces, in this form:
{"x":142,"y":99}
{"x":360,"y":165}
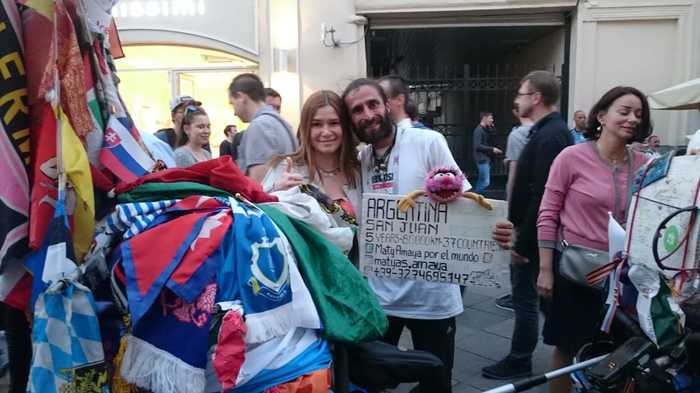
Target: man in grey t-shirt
{"x":517,"y":139}
{"x":267,"y":135}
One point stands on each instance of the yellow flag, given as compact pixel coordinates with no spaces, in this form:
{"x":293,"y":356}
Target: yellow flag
{"x":77,"y":170}
{"x":44,"y":7}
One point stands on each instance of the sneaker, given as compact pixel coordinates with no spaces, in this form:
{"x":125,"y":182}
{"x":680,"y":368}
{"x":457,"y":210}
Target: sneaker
{"x":507,"y":368}
{"x":505,"y":302}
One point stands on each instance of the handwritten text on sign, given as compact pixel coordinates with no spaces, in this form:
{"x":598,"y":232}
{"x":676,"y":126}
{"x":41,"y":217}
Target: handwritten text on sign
{"x":442,"y":242}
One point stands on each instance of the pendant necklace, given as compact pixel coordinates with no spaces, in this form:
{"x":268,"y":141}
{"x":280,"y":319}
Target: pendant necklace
{"x":381,"y":164}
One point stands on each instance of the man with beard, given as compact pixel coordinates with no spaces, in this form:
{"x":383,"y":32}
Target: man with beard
{"x":397,"y":161}
{"x":536,"y":99}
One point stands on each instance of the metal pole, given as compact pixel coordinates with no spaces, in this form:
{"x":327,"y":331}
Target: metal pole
{"x":527,"y":383}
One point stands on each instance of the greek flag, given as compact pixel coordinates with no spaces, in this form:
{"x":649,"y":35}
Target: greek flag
{"x":133,"y":218}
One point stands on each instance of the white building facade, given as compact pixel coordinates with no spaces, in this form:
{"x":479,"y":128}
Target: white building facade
{"x":301,"y":46}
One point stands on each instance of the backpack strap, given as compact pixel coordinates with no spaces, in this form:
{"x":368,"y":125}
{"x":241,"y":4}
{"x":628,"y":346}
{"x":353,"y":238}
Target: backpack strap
{"x":290,"y":134}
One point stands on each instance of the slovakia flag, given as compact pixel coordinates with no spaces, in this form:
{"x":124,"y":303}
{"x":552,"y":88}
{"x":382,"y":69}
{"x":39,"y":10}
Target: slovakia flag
{"x":121,"y":152}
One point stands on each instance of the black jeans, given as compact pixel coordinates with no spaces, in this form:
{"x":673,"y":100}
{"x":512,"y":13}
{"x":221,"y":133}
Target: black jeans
{"x":436,"y":336}
{"x":523,"y":279}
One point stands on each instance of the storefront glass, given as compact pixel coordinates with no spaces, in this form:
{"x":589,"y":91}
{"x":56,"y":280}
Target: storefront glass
{"x":151,"y":74}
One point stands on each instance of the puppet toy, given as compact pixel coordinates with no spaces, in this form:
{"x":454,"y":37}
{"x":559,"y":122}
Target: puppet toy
{"x":443,"y":184}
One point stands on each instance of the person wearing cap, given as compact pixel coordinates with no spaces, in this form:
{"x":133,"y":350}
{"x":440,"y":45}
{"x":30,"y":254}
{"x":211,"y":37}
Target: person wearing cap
{"x":173,"y":136}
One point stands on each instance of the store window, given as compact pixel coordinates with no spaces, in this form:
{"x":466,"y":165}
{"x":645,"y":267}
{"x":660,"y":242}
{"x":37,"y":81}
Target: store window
{"x":151,"y":74}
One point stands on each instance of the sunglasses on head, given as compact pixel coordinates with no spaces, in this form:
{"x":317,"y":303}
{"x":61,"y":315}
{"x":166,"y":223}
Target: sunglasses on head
{"x":192,"y":108}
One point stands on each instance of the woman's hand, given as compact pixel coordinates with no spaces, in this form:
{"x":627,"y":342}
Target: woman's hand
{"x":288,"y":179}
{"x":545,"y":283}
{"x":503,"y":234}
{"x":545,"y":280}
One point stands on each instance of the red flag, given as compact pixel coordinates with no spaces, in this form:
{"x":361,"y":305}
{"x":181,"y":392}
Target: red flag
{"x":222,"y":173}
{"x":58,"y":46}
{"x":45,"y":173}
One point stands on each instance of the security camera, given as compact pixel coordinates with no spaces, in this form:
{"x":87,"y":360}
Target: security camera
{"x":358,"y":20}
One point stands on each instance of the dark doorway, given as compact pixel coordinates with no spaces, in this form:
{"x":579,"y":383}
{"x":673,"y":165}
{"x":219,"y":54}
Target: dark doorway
{"x":456,"y":72}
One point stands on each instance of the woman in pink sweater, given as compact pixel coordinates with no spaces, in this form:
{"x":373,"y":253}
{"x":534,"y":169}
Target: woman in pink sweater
{"x":586,"y":182}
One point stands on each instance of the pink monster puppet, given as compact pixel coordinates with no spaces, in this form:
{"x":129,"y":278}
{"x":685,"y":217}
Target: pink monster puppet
{"x":443,"y":184}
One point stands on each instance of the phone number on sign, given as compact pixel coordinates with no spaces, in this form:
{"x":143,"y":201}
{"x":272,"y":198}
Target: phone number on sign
{"x":416,"y":274}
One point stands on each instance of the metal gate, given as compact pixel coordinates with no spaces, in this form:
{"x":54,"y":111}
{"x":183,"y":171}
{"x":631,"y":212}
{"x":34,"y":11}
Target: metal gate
{"x":449,"y":100}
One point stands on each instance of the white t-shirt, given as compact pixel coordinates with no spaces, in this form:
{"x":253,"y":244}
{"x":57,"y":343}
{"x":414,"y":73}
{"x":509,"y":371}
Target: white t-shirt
{"x":415,"y":152}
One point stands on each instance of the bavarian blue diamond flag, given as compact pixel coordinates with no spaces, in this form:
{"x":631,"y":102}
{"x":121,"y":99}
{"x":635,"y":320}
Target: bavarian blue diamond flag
{"x":67,"y":354}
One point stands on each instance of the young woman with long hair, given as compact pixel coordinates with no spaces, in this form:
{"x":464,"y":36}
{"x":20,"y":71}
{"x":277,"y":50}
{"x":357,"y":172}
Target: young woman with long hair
{"x":326,"y":156}
{"x":196,"y":130}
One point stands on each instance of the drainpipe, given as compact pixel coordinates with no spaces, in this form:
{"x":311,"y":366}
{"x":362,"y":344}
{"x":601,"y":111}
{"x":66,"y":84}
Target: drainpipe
{"x":565,"y":74}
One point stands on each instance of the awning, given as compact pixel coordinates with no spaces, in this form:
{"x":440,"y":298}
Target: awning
{"x":683,"y":96}
{"x":395,"y":6}
{"x":395,"y":13}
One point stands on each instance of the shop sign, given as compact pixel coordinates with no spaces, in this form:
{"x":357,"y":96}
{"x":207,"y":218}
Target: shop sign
{"x":161,"y":8}
{"x":228,"y":22}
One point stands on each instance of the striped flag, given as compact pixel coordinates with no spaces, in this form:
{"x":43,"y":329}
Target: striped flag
{"x":121,"y":152}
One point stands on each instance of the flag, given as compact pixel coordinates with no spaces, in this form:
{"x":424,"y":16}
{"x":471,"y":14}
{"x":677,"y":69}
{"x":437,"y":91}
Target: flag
{"x":44,"y":172}
{"x":39,"y":55}
{"x":157,"y":357}
{"x":659,"y":316}
{"x":121,"y":152}
{"x":347,"y":306}
{"x":67,"y":353}
{"x":77,"y":170}
{"x":274,"y":362}
{"x":200,"y":263}
{"x":201,"y":260}
{"x":222,"y":173}
{"x":15,"y":286}
{"x":55,"y":259}
{"x":40,"y":62}
{"x":14,"y":160}
{"x":130,"y":219}
{"x":148,"y":268}
{"x":93,"y":139}
{"x":58,"y":52}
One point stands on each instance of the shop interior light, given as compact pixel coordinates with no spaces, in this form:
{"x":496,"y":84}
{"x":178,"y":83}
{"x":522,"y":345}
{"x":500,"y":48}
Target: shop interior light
{"x":217,"y":59}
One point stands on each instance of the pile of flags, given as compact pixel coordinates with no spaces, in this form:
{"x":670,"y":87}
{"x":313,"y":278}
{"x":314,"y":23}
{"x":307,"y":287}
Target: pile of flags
{"x":62,"y":124}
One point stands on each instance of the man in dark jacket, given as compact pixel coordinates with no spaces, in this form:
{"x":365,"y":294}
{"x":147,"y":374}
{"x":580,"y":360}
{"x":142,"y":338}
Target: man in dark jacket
{"x":536,"y":99}
{"x":483,"y":150}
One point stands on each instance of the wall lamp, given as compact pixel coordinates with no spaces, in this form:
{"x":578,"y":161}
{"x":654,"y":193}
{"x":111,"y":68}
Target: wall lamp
{"x":328,"y":33}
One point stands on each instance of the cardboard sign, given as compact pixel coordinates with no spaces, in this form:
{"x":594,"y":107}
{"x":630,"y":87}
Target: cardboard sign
{"x":441,"y":242}
{"x":678,"y":243}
